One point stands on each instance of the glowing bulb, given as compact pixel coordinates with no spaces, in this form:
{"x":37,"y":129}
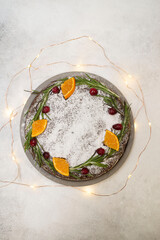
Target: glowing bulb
{"x":78,"y":65}
{"x":88,"y":190}
{"x":90,"y":38}
{"x":129,"y":176}
{"x":37,"y":56}
{"x":12,"y":117}
{"x":126,"y":82}
{"x":8,"y":111}
{"x":135,"y":126}
{"x":29,"y":66}
{"x":149,"y":123}
{"x":32,"y":186}
{"x":130,"y":76}
{"x":13,"y":157}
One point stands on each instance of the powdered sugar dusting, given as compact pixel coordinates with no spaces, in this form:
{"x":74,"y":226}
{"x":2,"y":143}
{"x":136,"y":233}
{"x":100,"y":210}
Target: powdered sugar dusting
{"x":77,"y":126}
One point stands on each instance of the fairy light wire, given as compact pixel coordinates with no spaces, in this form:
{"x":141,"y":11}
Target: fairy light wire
{"x":112,"y":65}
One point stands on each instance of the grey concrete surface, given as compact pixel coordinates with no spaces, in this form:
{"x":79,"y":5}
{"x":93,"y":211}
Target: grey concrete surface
{"x":129,"y":31}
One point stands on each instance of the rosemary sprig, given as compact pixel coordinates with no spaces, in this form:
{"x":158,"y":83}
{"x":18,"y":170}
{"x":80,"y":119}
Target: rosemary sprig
{"x":50,"y":164}
{"x":74,"y":176}
{"x":92,"y":83}
{"x":112,"y":102}
{"x":124,"y":122}
{"x":39,"y":157}
{"x":47,"y":116}
{"x":93,"y":160}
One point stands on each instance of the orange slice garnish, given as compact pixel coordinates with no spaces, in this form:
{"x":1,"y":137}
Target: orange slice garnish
{"x":61,"y":165}
{"x":111,"y":140}
{"x":38,"y":127}
{"x":68,"y":87}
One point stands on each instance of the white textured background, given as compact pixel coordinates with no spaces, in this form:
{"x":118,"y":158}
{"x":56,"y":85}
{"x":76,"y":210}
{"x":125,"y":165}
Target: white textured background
{"x":130,"y":32}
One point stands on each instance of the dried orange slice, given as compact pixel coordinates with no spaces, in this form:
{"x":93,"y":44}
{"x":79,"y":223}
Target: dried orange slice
{"x":61,"y":165}
{"x":111,"y":140}
{"x":38,"y":127}
{"x":68,"y":87}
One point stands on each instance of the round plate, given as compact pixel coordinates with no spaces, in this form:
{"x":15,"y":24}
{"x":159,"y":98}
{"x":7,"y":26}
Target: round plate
{"x":69,"y":182}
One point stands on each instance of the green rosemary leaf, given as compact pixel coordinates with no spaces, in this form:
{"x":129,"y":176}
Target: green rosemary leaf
{"x":50,"y":164}
{"x":74,"y":176}
{"x":100,"y":164}
{"x":42,"y":114}
{"x":28,"y":138}
{"x":91,"y":79}
{"x":33,"y":92}
{"x":89,"y":175}
{"x":26,"y":113}
{"x":47,"y":116}
{"x":125,"y":121}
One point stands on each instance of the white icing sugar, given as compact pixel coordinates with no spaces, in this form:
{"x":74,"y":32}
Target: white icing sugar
{"x":77,"y":126}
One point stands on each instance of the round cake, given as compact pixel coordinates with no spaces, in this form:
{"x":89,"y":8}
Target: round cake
{"x":77,"y":128}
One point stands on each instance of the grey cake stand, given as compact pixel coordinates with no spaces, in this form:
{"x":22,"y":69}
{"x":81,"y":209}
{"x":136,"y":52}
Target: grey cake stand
{"x":69,"y":182}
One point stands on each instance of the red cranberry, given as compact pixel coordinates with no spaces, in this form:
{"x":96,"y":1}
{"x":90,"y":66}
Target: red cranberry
{"x":117,"y":126}
{"x":100,"y":151}
{"x":55,"y":90}
{"x":46,"y":109}
{"x":33,"y":142}
{"x":112,"y":111}
{"x":93,"y":91}
{"x":85,"y":170}
{"x":46,"y":155}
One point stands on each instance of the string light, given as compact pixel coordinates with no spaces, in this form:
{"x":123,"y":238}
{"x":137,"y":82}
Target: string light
{"x":90,"y":38}
{"x":88,"y":191}
{"x":126,"y":82}
{"x":8,"y":111}
{"x":13,"y":157}
{"x":135,"y":126}
{"x":123,"y":74}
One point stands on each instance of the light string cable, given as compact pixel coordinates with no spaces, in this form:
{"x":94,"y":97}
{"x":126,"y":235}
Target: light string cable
{"x":124,"y":75}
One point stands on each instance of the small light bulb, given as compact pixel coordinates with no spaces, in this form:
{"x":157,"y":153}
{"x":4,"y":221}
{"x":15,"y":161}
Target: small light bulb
{"x":29,"y":66}
{"x":32,"y":186}
{"x":126,"y":82}
{"x":135,"y":126}
{"x":129,"y":176}
{"x":37,"y":56}
{"x":149,"y":123}
{"x":13,"y":157}
{"x":130,"y":76}
{"x":8,"y":111}
{"x":78,"y":65}
{"x":90,"y":38}
{"x":88,"y":190}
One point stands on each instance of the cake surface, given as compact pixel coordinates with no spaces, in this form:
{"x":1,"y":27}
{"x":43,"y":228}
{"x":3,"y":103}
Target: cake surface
{"x":76,"y":129}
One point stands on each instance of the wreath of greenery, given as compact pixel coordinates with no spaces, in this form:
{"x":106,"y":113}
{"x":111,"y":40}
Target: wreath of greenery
{"x":110,"y":98}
